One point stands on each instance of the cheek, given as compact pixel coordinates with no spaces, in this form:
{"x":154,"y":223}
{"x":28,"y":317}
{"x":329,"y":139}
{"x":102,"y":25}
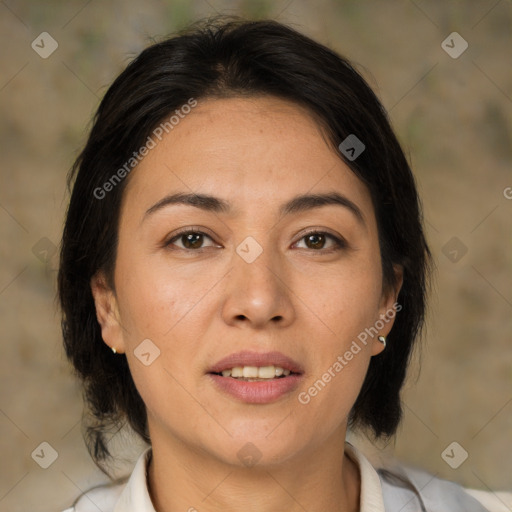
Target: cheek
{"x":154,"y":298}
{"x":346,"y":296}
{"x":347,"y":302}
{"x":343,"y":349}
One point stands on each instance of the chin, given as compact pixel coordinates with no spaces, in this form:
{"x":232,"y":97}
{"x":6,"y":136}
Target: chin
{"x":250,"y":450}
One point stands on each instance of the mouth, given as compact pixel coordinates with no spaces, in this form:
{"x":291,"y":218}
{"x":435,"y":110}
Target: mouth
{"x":254,"y":377}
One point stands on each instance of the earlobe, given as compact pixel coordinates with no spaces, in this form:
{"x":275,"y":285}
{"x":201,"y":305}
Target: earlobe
{"x":107,"y":312}
{"x":379,"y":345}
{"x":388,"y":309}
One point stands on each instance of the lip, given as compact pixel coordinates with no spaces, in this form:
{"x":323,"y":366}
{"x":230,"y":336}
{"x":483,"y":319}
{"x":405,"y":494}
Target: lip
{"x":258,"y":392}
{"x":250,"y":358}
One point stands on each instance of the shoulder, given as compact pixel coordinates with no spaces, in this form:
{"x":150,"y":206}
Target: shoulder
{"x":500,"y":501}
{"x":128,"y":494}
{"x":407,"y":488}
{"x":102,"y":498}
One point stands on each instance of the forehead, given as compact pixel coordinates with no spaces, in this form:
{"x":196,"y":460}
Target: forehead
{"x":254,"y":151}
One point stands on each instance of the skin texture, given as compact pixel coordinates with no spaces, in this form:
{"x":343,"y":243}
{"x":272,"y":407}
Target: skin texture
{"x":197,"y":307}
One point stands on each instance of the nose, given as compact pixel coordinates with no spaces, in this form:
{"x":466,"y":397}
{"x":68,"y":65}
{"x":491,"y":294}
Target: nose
{"x":258,"y":294}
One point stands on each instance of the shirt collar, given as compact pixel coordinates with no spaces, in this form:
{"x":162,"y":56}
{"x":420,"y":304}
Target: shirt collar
{"x":135,"y":496}
{"x":371,"y":489}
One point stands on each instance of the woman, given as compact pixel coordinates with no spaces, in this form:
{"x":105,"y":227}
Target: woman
{"x":243,"y":276}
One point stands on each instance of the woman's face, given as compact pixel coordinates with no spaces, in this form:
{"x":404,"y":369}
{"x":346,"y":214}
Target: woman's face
{"x":254,"y":281}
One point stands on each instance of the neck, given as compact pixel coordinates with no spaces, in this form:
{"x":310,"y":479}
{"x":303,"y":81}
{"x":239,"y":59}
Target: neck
{"x":180,"y":477}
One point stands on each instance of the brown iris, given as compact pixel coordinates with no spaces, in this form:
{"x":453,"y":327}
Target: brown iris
{"x":317,"y":239}
{"x":192,"y":240}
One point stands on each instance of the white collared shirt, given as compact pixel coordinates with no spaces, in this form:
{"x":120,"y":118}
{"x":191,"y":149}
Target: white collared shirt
{"x":380,"y":492}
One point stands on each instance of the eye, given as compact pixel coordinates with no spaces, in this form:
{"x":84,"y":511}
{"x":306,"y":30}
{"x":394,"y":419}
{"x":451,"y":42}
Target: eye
{"x":191,"y":239}
{"x":316,"y":240}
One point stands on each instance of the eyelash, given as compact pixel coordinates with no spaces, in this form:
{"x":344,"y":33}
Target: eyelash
{"x":339,"y":243}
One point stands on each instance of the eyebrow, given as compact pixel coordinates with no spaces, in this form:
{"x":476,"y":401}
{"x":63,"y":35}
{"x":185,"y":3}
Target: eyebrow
{"x":297,"y":204}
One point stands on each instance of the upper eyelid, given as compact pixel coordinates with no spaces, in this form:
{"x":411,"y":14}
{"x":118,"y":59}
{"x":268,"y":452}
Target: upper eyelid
{"x":188,"y":231}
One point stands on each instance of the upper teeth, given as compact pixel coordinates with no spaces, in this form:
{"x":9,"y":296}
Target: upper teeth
{"x":261,"y":372}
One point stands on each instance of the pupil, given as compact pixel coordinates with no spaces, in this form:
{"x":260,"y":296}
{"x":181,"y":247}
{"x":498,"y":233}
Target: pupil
{"x":317,"y":239}
{"x":190,"y":243}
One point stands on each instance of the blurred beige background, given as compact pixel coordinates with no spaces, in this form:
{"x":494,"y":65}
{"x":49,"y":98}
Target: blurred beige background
{"x":454,"y":118}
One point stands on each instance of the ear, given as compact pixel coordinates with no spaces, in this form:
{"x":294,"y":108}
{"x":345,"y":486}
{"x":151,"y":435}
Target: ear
{"x":107,"y":312}
{"x":388,"y":308}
